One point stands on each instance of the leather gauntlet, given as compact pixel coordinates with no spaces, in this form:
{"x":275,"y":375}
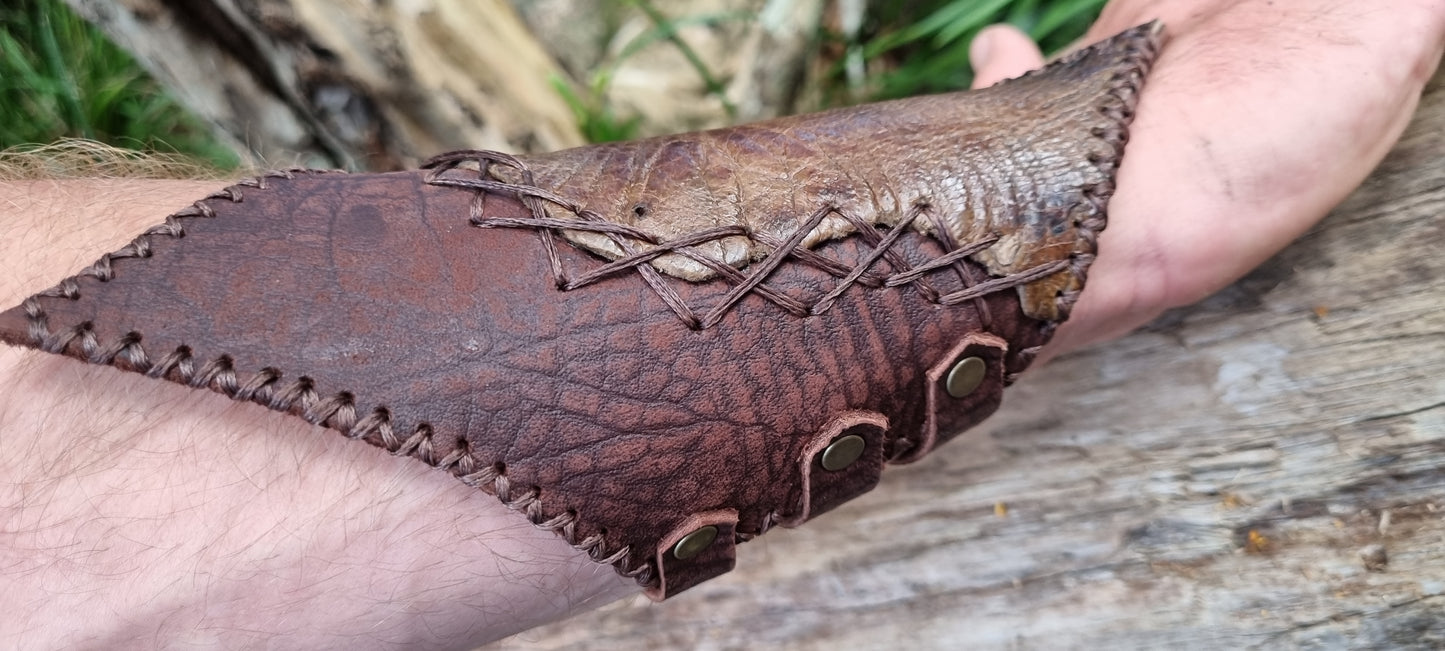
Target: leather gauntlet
{"x":657,"y":349}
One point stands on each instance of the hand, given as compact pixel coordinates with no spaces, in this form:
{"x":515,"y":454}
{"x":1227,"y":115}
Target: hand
{"x":1259,"y":117}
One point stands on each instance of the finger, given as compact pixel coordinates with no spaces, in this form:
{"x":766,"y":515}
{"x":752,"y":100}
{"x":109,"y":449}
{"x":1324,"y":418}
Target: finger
{"x":1002,"y":52}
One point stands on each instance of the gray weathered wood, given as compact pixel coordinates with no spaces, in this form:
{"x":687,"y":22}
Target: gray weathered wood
{"x":381,"y":85}
{"x":1227,"y":478}
{"x":349,"y":83}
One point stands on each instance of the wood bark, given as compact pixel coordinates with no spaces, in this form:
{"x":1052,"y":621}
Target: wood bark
{"x":358,"y":84}
{"x":1263,"y":470}
{"x":378,"y":85}
{"x":371,"y":84}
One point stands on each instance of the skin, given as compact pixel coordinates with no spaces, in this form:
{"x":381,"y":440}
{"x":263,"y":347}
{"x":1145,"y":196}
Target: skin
{"x":1260,"y":116}
{"x":137,"y":513}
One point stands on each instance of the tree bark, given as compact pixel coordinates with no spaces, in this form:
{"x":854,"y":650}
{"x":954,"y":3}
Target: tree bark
{"x":1262,"y":470}
{"x":367,"y":84}
{"x":356,"y":84}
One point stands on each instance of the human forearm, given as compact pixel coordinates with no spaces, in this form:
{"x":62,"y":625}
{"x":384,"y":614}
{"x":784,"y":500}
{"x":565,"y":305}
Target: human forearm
{"x":357,"y":541}
{"x":163,"y":513}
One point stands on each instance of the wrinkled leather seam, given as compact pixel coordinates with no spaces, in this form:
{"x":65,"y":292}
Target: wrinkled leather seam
{"x":1124,"y":90}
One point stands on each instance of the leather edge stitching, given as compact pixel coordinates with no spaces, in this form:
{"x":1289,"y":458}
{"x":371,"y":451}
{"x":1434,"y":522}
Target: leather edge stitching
{"x":298,"y":397}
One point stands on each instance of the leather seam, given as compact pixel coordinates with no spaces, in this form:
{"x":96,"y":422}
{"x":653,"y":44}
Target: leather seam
{"x":1118,"y":105}
{"x":298,"y":397}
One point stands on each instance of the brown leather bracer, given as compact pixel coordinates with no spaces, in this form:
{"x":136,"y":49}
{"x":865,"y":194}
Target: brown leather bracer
{"x":656,"y":350}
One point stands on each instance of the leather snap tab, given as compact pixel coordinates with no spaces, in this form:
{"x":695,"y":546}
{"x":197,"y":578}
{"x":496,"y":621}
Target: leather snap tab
{"x":963,"y":387}
{"x":843,"y":452}
{"x":965,"y":376}
{"x":694,"y":543}
{"x":702,"y":546}
{"x":842,"y":461}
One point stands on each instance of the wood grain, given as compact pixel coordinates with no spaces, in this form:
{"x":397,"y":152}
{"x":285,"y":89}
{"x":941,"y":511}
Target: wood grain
{"x":1262,"y":470}
{"x":349,"y":83}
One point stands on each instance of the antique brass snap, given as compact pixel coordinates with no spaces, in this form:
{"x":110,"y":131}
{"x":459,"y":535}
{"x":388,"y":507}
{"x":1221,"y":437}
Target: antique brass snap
{"x":692,"y":544}
{"x":965,"y":376}
{"x":843,"y":452}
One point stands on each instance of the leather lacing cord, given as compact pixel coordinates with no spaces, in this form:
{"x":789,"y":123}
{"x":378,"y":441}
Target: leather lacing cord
{"x":337,"y":411}
{"x":1121,"y":98}
{"x":1118,"y":109}
{"x":639,"y":247}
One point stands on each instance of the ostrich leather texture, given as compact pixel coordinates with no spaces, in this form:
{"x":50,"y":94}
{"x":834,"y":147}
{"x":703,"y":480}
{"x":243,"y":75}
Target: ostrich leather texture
{"x":611,"y":342}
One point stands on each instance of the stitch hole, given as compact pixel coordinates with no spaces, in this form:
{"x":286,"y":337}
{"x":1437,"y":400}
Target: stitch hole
{"x":462,"y":451}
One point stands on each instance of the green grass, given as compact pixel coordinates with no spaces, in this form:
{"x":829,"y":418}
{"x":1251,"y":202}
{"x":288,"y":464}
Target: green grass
{"x":907,"y":48}
{"x":922,"y":47}
{"x":60,"y":78}
{"x":597,"y":120}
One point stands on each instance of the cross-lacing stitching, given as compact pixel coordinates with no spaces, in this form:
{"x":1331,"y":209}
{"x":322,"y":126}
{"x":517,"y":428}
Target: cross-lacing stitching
{"x":338,"y":411}
{"x":640,"y":247}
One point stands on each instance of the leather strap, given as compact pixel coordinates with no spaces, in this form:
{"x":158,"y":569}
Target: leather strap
{"x":446,"y":315}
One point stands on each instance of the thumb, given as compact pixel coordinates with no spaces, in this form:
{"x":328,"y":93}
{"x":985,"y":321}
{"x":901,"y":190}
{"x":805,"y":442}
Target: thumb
{"x":1001,"y":52}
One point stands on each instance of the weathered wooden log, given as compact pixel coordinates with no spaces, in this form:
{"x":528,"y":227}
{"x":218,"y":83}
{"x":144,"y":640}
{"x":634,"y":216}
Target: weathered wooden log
{"x":349,"y":83}
{"x":373,"y":85}
{"x":1263,"y":470}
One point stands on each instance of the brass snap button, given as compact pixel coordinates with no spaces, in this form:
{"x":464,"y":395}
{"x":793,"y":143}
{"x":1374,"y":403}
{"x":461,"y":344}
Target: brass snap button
{"x":692,"y":544}
{"x":965,"y":376}
{"x":843,"y":452}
